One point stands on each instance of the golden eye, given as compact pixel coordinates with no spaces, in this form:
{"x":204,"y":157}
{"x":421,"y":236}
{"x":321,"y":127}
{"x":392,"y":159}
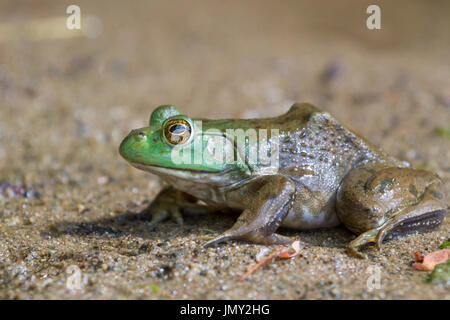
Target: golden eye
{"x":177,"y":131}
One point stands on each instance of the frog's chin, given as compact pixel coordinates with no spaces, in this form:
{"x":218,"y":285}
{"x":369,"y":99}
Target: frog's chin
{"x":220,"y":178}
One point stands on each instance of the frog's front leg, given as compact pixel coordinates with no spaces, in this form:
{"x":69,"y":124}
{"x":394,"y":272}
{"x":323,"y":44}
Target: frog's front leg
{"x":169,"y":204}
{"x":269,"y":199}
{"x":375,"y":200}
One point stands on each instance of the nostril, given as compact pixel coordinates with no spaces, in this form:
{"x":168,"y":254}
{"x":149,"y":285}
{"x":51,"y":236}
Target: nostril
{"x":141,"y":135}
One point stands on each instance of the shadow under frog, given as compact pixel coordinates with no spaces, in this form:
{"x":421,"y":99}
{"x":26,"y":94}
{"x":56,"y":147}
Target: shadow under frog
{"x":129,"y":222}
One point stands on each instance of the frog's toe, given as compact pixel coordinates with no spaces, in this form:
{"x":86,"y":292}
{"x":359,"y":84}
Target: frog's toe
{"x":363,"y":239}
{"x":175,"y":215}
{"x":253,"y":237}
{"x":158,"y":216}
{"x":160,"y":212}
{"x":219,"y":239}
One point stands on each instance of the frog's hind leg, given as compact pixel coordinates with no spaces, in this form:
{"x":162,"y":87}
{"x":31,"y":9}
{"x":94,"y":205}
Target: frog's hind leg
{"x":416,"y":219}
{"x":378,"y":202}
{"x":405,"y":224}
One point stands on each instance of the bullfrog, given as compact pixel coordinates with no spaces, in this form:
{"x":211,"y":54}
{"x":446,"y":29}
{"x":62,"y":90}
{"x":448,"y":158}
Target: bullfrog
{"x":310,"y":172}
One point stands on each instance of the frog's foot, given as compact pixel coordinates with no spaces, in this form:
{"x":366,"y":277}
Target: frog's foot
{"x":376,"y":202}
{"x":262,"y":218}
{"x":160,"y":211}
{"x":169,"y":204}
{"x":363,"y":239}
{"x":405,"y":223}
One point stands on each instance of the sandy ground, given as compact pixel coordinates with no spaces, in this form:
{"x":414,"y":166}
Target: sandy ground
{"x":67,"y":99}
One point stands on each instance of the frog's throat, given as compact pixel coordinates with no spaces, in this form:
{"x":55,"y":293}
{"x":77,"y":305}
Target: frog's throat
{"x":219,"y":178}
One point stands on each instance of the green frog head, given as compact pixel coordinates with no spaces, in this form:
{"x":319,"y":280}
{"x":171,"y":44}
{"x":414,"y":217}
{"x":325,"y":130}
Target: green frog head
{"x":177,"y":142}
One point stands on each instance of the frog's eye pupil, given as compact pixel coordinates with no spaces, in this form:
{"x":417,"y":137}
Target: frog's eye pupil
{"x":177,"y":131}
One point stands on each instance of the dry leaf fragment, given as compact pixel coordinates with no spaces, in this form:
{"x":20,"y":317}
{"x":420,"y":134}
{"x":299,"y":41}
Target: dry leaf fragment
{"x":259,"y":264}
{"x":418,"y":256}
{"x":432,"y":259}
{"x":283,"y":253}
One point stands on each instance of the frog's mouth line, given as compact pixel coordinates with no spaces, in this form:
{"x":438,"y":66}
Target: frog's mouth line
{"x":222,"y":178}
{"x":149,"y":168}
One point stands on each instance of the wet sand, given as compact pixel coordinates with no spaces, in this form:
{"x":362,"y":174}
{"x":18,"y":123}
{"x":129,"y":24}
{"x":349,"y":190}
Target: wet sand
{"x":67,"y":100}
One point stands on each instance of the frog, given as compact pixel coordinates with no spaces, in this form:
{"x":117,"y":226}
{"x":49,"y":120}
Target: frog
{"x":322,"y":175}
